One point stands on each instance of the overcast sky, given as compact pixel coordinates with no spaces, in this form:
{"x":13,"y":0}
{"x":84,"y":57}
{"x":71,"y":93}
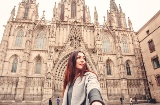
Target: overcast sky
{"x":139,"y":11}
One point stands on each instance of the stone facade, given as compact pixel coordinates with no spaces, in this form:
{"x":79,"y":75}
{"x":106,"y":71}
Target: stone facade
{"x":149,"y":37}
{"x":34,"y":52}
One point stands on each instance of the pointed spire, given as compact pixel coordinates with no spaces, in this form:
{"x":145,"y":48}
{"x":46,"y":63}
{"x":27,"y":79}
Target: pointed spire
{"x":12,"y":14}
{"x":13,"y":11}
{"x":37,"y":10}
{"x":54,"y":10}
{"x":113,"y":6}
{"x":120,"y":9}
{"x":95,"y":16}
{"x":108,"y":15}
{"x":43,"y":16}
{"x":130,"y":24}
{"x":104,"y":18}
{"x":88,"y":16}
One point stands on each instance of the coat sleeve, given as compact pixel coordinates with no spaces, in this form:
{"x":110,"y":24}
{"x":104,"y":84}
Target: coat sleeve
{"x":93,"y":89}
{"x":92,"y":82}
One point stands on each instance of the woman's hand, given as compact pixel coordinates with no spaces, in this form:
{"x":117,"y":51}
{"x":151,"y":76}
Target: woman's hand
{"x":96,"y":103}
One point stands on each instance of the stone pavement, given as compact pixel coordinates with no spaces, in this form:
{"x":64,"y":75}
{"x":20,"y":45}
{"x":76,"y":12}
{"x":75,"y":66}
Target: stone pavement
{"x":139,"y":104}
{"x":148,"y":104}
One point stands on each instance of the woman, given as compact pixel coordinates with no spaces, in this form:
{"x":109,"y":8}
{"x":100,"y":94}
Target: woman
{"x":81,"y":86}
{"x":131,"y":101}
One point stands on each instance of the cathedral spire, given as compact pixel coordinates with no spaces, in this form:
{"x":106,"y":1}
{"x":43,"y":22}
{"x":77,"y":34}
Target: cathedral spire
{"x":27,"y":10}
{"x":88,"y":15}
{"x":95,"y":16}
{"x":120,"y":9}
{"x":130,"y":24}
{"x":54,"y":10}
{"x":12,"y":14}
{"x":113,"y":6}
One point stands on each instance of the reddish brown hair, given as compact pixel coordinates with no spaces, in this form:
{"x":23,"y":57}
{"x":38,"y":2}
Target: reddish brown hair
{"x":70,"y":73}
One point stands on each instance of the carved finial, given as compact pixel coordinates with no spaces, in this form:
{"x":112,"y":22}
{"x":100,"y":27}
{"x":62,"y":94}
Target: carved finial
{"x":13,"y":10}
{"x":104,"y":18}
{"x":130,"y":24}
{"x":120,"y":8}
{"x":43,"y":16}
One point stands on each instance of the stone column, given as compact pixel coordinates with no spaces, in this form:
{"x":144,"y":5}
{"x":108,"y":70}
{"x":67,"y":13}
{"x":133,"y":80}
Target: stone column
{"x":48,"y":93}
{"x":20,"y":89}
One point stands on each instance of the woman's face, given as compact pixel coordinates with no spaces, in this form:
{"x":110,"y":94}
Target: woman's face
{"x":80,"y":61}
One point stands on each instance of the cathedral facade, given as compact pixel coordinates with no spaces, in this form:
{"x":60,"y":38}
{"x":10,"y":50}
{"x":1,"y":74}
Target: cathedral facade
{"x":34,"y":52}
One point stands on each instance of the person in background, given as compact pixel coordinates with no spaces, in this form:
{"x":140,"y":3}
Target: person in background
{"x":121,"y":100}
{"x":131,"y":101}
{"x":58,"y":100}
{"x":50,"y":101}
{"x":81,"y":86}
{"x":135,"y":98}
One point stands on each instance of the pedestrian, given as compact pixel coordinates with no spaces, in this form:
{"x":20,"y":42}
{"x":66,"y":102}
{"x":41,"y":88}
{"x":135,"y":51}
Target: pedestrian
{"x":81,"y":86}
{"x":50,"y":101}
{"x":135,"y":98}
{"x":58,"y":100}
{"x":131,"y":101}
{"x":121,"y":100}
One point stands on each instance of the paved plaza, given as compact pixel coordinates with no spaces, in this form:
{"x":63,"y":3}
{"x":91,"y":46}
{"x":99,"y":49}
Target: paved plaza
{"x":145,"y":104}
{"x":138,"y":104}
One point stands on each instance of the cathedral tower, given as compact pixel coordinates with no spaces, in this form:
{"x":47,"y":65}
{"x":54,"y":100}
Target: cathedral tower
{"x":28,"y":10}
{"x":34,"y":52}
{"x":116,"y":17}
{"x":71,"y":10}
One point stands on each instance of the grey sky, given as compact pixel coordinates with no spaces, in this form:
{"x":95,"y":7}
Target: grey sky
{"x":139,"y":11}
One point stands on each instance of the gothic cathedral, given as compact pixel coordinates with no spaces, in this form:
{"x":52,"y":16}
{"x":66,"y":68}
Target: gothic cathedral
{"x":34,"y":52}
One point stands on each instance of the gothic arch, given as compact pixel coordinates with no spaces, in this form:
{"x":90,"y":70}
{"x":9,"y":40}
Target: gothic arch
{"x":19,"y":38}
{"x":109,"y":67}
{"x":125,"y":45}
{"x":60,"y":66}
{"x":129,"y":67}
{"x":19,"y":28}
{"x":111,"y":39}
{"x":106,"y":44}
{"x":12,"y":60}
{"x":38,"y":62}
{"x":40,"y":29}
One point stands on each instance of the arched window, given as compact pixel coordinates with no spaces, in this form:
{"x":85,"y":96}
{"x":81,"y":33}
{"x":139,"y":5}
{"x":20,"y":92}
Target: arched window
{"x":125,"y":46}
{"x":108,"y":68}
{"x":41,"y":40}
{"x":106,"y":45}
{"x":73,"y":9}
{"x":19,"y":38}
{"x":14,"y":65}
{"x":26,"y":12}
{"x":158,"y":80}
{"x":128,"y":68}
{"x":38,"y":67}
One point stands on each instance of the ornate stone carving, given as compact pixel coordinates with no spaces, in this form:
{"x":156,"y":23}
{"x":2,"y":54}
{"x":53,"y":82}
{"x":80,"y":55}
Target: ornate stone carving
{"x":75,"y":36}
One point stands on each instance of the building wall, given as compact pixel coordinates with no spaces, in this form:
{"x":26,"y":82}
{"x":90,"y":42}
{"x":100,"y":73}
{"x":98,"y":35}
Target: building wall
{"x":61,"y":38}
{"x":153,"y":26}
